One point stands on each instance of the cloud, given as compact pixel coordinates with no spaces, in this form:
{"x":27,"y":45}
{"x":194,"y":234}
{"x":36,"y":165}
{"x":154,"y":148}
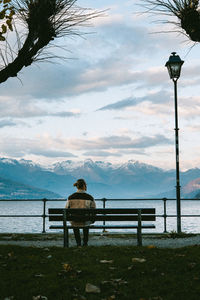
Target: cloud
{"x":55,"y":147}
{"x":121,"y":104}
{"x":101,"y":154}
{"x":7,"y":123}
{"x":19,"y":147}
{"x":118,"y":142}
{"x":157,"y":97}
{"x":50,"y":153}
{"x":23,"y":108}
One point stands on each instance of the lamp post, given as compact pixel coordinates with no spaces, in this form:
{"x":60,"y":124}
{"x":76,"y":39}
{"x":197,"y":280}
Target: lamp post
{"x":174,"y":65}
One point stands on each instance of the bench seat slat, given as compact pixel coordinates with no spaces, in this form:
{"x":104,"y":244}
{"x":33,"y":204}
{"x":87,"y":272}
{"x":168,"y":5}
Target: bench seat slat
{"x":104,"y":218}
{"x":105,"y":210}
{"x":105,"y":226}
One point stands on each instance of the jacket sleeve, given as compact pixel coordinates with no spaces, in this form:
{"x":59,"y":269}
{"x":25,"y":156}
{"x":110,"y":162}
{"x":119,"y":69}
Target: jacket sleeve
{"x":93,"y":204}
{"x":67,"y":205}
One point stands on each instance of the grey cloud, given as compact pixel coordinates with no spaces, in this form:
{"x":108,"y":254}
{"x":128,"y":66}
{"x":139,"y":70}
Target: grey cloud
{"x":121,"y":104}
{"x":5,"y":123}
{"x":17,"y":147}
{"x":21,"y":108}
{"x":120,"y":142}
{"x":51,"y":153}
{"x":101,"y":153}
{"x":158,"y":97}
{"x":63,"y":114}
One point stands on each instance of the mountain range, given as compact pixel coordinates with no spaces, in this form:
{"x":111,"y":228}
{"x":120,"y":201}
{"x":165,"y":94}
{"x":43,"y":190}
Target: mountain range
{"x":24,"y":179}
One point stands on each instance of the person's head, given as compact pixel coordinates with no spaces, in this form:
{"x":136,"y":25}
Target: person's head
{"x":80,"y":184}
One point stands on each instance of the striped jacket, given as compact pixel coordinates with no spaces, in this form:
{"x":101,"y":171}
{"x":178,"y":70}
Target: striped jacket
{"x":80,"y":199}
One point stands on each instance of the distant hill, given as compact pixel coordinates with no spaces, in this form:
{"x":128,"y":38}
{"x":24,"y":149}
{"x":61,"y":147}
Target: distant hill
{"x":197,"y":195}
{"x":127,"y":180}
{"x":14,"y":190}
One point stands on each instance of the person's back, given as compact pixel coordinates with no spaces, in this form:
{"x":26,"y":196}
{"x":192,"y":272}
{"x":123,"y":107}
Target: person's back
{"x":80,"y":199}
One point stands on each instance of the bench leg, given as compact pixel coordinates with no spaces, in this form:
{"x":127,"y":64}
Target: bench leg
{"x":139,"y":229}
{"x":66,"y":237}
{"x":139,"y":236}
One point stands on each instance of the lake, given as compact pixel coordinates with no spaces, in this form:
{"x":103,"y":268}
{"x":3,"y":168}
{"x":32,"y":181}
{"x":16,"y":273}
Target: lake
{"x":35,"y":224}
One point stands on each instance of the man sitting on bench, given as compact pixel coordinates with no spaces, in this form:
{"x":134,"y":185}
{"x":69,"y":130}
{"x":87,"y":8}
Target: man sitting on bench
{"x":80,"y":199}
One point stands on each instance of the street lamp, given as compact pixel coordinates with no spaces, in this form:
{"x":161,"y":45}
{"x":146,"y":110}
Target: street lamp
{"x":174,"y":65}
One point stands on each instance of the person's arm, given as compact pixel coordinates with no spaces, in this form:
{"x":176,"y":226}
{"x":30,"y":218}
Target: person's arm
{"x":67,"y":205}
{"x":93,"y":204}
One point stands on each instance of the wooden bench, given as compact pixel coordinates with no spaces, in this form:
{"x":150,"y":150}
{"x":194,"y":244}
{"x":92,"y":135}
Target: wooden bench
{"x":136,"y":215}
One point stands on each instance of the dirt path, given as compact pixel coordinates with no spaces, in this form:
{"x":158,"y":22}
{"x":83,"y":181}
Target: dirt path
{"x":48,"y":240}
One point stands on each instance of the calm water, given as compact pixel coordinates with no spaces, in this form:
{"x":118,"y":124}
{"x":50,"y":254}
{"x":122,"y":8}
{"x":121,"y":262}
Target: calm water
{"x":34,"y":224}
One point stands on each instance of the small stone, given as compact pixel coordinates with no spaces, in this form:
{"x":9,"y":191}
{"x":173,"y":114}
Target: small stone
{"x":90,"y":288}
{"x":140,"y":260}
{"x":104,"y":261}
{"x":49,"y":256}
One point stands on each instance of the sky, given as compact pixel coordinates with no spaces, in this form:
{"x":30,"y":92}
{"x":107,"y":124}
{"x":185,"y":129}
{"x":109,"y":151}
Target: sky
{"x":110,"y":100}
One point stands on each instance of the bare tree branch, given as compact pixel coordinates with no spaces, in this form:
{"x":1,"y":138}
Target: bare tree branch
{"x":44,"y":21}
{"x":186,"y":12}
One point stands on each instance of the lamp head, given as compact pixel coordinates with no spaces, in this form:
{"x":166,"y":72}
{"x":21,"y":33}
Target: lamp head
{"x":174,"y":65}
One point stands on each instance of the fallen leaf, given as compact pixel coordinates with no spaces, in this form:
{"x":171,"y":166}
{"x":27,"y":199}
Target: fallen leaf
{"x":111,"y":297}
{"x":39,"y":275}
{"x":116,"y":280}
{"x":104,"y":261}
{"x":67,"y":267}
{"x":151,"y":247}
{"x":10,"y":254}
{"x":112,"y":268}
{"x":40,"y":297}
{"x":154,"y":270}
{"x":82,"y":297}
{"x":105,"y":282}
{"x":90,"y":288}
{"x":140,"y":260}
{"x":119,"y":281}
{"x":191,"y":265}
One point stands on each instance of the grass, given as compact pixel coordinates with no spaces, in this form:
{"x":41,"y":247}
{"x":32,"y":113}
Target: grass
{"x":61,"y":274}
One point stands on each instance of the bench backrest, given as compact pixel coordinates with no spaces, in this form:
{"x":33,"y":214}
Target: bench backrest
{"x":102,"y":214}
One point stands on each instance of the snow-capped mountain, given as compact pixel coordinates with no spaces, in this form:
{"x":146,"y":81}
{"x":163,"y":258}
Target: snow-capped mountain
{"x":127,"y":180}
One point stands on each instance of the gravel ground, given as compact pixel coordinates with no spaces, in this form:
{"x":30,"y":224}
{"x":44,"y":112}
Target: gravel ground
{"x":160,"y":241}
